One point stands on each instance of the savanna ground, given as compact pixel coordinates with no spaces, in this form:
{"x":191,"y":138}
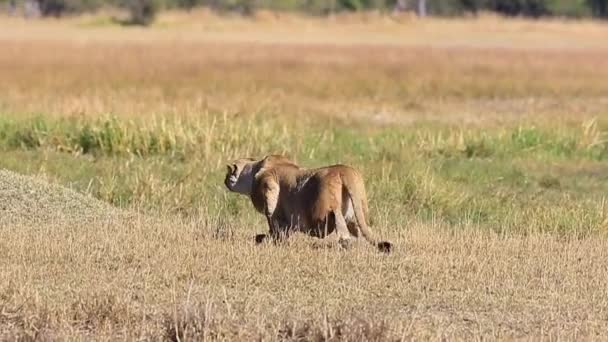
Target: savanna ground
{"x":481,"y":140}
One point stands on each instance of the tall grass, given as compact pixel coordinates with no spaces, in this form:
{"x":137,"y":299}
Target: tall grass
{"x":486,"y":177}
{"x":219,"y":133}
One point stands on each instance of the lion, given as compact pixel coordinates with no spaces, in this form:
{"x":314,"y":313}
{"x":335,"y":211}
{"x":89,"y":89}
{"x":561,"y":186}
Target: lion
{"x":321,"y":202}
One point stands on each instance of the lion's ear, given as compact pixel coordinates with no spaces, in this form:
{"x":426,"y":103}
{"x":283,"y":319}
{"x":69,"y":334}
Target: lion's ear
{"x":230,"y":168}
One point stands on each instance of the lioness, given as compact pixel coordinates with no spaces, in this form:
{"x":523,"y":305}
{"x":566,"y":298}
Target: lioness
{"x":318,"y":202}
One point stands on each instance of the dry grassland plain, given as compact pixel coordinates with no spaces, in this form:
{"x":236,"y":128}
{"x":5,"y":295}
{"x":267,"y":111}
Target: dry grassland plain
{"x":482,"y":142}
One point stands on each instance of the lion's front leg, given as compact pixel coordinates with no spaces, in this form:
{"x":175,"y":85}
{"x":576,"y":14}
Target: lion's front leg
{"x":277,"y":228}
{"x":278,"y":231}
{"x":274,"y":228}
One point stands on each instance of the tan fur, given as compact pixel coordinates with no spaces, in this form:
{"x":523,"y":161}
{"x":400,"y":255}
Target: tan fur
{"x":322,"y":202}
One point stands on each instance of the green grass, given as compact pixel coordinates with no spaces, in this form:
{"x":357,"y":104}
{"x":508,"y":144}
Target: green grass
{"x":519,"y":179}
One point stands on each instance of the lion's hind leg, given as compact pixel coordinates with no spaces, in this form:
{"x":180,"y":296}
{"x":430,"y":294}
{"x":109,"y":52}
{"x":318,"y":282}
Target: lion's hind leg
{"x":349,"y":215}
{"x":339,"y":236}
{"x":332,"y":231}
{"x":342,"y":231}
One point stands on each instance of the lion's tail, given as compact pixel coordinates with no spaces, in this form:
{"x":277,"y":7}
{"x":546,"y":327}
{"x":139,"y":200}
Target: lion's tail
{"x":356,"y":191}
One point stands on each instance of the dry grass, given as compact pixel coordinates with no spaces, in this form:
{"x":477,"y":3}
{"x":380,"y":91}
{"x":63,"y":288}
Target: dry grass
{"x":498,"y":212}
{"x":186,"y":70}
{"x":131,"y":280}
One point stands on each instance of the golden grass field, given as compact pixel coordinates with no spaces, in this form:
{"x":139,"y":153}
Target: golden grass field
{"x":482,"y":141}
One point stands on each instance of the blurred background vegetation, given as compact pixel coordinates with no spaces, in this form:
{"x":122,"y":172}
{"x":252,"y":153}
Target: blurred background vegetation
{"x":144,"y":11}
